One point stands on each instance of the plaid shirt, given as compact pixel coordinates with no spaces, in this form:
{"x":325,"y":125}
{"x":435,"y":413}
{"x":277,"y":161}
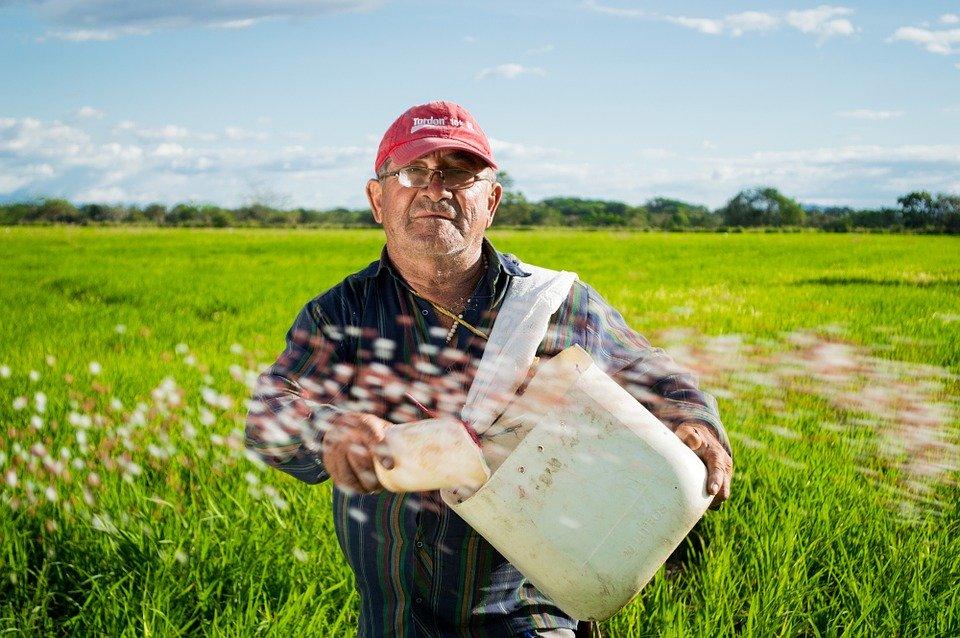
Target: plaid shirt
{"x":420,"y":569}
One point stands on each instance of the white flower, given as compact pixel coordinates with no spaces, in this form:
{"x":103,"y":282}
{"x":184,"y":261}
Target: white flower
{"x":40,"y":401}
{"x":36,"y":422}
{"x":120,"y":328}
{"x":236,"y":348}
{"x":182,"y":348}
{"x":20,"y":403}
{"x":95,"y":368}
{"x":5,"y":372}
{"x":34,"y":376}
{"x":51,"y":360}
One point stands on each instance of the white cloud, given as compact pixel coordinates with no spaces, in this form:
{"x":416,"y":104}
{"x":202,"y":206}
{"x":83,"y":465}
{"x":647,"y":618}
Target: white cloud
{"x":98,"y":20}
{"x":88,"y":112}
{"x":510,"y":71}
{"x":655,"y":153}
{"x":234,"y":24}
{"x":858,"y":175}
{"x":504,"y":150}
{"x":237,"y":133}
{"x":950,"y":18}
{"x":941,"y":42}
{"x":870,"y":114}
{"x":614,"y":11}
{"x":703,"y":25}
{"x":740,"y":23}
{"x":824,"y":21}
{"x":735,"y":24}
{"x":547,"y":48}
{"x":50,"y":158}
{"x":125,"y":125}
{"x":54,"y":159}
{"x":168,"y":149}
{"x":168,"y":132}
{"x":105,"y":194}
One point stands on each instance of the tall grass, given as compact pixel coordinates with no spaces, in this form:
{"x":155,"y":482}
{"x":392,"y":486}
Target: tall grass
{"x":128,"y":505}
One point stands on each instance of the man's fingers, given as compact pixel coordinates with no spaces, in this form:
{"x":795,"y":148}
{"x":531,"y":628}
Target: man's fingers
{"x":719,"y":474}
{"x":690,"y":437}
{"x":383,"y":454}
{"x":718,"y":463}
{"x":361,"y":462}
{"x":343,"y":475}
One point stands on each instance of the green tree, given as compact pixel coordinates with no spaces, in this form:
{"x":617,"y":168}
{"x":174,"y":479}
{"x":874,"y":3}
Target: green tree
{"x":514,"y":209}
{"x":918,"y":209}
{"x":58,"y":210}
{"x":948,"y":212}
{"x":765,"y":206}
{"x":674,"y":214}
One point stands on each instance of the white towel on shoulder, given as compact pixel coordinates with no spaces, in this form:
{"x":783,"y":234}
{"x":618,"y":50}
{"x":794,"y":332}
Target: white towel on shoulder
{"x":517,"y":331}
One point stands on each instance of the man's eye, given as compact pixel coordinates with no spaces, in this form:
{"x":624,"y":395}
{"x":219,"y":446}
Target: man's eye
{"x":417,"y":171}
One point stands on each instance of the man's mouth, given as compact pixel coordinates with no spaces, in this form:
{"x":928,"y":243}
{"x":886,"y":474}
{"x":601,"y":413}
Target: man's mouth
{"x":427,"y":215}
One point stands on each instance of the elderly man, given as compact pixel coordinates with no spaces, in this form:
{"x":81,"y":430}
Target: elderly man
{"x":401,"y":339}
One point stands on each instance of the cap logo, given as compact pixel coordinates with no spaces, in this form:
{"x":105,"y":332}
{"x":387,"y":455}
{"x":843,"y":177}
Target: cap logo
{"x":420,"y":123}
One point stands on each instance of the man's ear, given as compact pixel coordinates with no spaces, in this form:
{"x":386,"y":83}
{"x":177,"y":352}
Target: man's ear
{"x":493,"y":201}
{"x":375,"y":197}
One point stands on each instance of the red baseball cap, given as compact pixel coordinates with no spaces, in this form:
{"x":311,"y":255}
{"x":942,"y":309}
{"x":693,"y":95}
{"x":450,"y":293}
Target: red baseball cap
{"x":427,"y":127}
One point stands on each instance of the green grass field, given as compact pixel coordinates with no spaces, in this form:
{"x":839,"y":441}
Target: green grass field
{"x":128,"y":506}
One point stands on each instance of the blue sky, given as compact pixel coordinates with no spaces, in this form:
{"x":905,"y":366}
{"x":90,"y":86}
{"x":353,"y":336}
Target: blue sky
{"x":285,"y":100}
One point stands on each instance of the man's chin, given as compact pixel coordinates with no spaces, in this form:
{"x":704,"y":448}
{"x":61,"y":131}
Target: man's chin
{"x":436,"y":244}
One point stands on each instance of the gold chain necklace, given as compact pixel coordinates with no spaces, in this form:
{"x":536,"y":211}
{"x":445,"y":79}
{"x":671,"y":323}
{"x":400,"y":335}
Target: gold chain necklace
{"x":458,"y":319}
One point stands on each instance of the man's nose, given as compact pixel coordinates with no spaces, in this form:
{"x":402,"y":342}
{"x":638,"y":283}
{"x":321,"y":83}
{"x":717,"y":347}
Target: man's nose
{"x":436,"y":190}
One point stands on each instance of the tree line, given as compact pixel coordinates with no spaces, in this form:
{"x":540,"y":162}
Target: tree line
{"x":761,"y":207}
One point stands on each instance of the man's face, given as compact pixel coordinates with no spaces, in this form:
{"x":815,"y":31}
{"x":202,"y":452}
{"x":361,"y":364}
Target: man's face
{"x":432,"y":220}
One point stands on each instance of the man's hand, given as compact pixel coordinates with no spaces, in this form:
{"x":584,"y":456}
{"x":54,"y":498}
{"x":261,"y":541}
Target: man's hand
{"x":348,"y":449}
{"x":701,"y":439}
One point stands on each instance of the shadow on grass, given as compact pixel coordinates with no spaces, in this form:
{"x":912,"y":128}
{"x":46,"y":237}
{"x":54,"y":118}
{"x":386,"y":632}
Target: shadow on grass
{"x":85,"y":293}
{"x":689,"y":554}
{"x":890,"y":281}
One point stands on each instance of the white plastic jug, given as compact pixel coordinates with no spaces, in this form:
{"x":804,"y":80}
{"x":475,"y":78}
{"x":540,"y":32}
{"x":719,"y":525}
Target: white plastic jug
{"x":429,"y":455}
{"x":590,"y":492}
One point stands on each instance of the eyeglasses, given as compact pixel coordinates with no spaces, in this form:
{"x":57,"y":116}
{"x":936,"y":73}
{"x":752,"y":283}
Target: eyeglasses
{"x":420,"y":177}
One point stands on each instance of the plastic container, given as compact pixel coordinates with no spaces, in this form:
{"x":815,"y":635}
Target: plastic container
{"x":591,"y":493}
{"x":430,"y":455}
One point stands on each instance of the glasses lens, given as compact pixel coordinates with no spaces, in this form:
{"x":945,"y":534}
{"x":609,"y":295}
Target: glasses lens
{"x":457,"y":178}
{"x":420,"y":176}
{"x":414,"y":176}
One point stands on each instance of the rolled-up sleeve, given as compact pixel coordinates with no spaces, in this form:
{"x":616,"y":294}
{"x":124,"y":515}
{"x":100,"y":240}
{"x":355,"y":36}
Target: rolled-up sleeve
{"x":649,"y":374}
{"x":295,"y":398}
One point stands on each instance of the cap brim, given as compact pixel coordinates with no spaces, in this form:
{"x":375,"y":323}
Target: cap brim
{"x":414,"y":149}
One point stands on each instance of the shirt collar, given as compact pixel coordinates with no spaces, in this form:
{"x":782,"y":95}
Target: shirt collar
{"x":496,"y":262}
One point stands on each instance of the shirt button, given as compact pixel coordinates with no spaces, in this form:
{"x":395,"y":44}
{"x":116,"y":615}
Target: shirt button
{"x":418,"y":599}
{"x":419,"y":543}
{"x":424,"y":312}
